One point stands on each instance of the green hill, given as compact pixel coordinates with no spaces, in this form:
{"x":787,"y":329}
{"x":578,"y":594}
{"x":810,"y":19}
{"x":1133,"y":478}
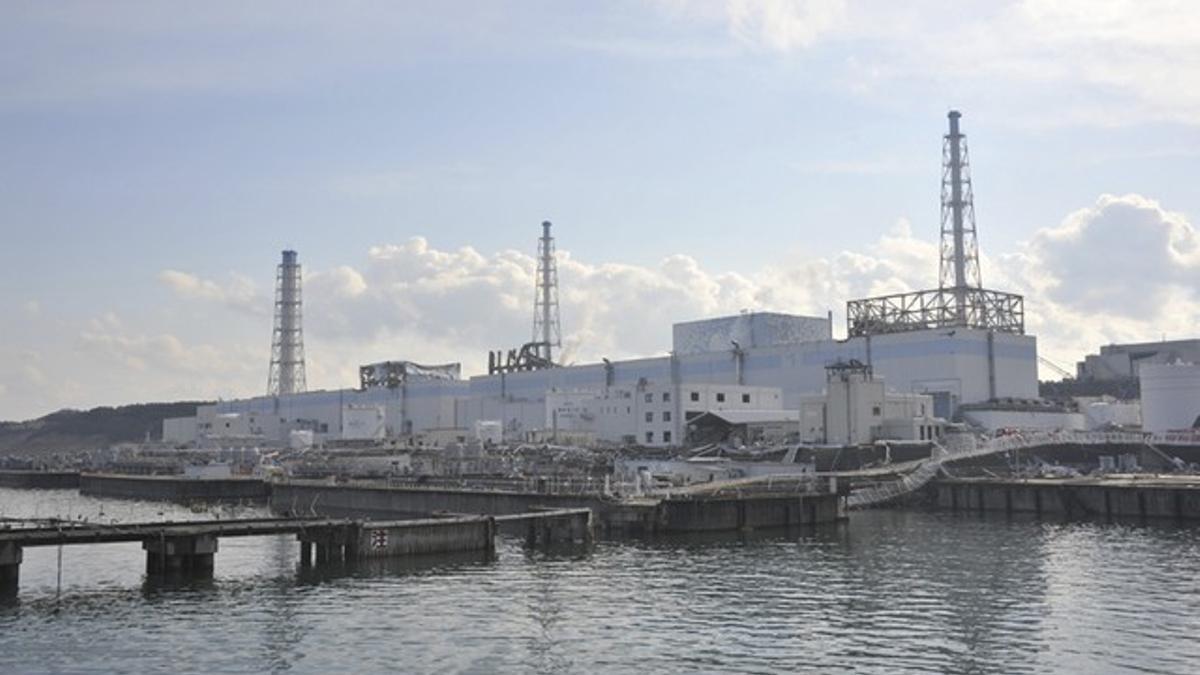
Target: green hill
{"x":68,"y":430}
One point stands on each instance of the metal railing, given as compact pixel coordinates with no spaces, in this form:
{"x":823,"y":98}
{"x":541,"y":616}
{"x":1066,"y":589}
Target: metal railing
{"x":880,"y":493}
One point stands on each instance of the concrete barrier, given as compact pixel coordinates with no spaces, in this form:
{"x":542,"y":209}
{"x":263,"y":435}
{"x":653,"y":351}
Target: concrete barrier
{"x":174,"y":488}
{"x":1113,"y":498}
{"x":40,"y":480}
{"x":635,"y":516}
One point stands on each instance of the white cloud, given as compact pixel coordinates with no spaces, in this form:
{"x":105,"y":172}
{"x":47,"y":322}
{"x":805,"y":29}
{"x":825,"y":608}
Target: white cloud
{"x":238,"y":292}
{"x":1122,"y":270}
{"x":1123,"y":256}
{"x":784,"y":24}
{"x":160,"y":354}
{"x":417,"y":302}
{"x":1082,"y":61}
{"x":1115,"y":271}
{"x":1119,"y":270}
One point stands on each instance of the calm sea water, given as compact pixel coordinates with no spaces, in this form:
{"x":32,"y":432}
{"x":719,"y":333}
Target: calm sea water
{"x":888,"y":592}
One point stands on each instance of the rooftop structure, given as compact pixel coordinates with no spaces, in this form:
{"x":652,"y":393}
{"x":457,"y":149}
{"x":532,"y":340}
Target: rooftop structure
{"x":393,"y":374}
{"x":960,"y":299}
{"x":747,"y":330}
{"x":1123,"y":361}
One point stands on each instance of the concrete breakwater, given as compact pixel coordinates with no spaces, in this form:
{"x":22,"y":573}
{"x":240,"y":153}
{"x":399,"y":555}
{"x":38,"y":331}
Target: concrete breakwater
{"x":40,"y":480}
{"x":174,"y":488}
{"x":647,"y":515}
{"x":1121,"y":497}
{"x":726,"y":511}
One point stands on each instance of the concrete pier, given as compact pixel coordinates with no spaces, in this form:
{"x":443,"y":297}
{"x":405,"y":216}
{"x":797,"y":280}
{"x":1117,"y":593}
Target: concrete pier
{"x":647,"y":515}
{"x":714,"y":514}
{"x":186,"y":550}
{"x":174,"y":488}
{"x":40,"y":480}
{"x":189,"y":556}
{"x":1112,"y":497}
{"x":11,"y":556}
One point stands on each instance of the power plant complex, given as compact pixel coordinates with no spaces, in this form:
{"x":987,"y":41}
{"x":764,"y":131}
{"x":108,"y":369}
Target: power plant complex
{"x":910,"y":365}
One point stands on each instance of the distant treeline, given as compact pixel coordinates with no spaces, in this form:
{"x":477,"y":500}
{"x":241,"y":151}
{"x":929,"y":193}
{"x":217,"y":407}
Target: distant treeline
{"x":1122,"y":389}
{"x":69,"y":430}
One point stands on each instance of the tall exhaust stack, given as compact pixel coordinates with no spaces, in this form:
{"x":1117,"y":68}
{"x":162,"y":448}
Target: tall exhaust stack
{"x":959,"y":268}
{"x":287,"y":340}
{"x":546,"y":326}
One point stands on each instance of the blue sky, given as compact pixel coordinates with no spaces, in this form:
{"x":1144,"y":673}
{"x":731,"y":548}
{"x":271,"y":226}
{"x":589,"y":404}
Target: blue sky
{"x":157,"y":156}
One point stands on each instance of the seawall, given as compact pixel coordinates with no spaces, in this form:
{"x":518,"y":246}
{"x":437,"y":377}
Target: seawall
{"x":1150,"y":497}
{"x":174,"y":488}
{"x":40,"y":480}
{"x":633,"y":516}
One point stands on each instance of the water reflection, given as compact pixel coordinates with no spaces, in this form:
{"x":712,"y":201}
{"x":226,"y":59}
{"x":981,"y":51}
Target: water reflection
{"x":887,"y":592}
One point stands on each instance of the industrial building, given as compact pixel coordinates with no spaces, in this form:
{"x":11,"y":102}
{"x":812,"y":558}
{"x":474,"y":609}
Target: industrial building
{"x":1124,"y":361}
{"x":856,"y":408}
{"x":1170,"y":396}
{"x":937,"y":350}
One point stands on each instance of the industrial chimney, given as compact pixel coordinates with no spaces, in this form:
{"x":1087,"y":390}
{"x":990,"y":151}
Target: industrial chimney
{"x":287,"y":341}
{"x":546,"y":327}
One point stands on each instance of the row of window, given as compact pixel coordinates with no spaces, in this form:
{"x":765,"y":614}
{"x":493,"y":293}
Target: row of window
{"x":666,"y":416}
{"x":695,"y":396}
{"x":650,"y":437}
{"x":614,"y":409}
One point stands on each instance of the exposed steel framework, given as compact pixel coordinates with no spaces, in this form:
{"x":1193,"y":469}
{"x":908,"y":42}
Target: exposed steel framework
{"x":937,"y":308}
{"x":287,"y":340}
{"x":960,"y":299}
{"x":395,"y":374}
{"x":528,"y":357}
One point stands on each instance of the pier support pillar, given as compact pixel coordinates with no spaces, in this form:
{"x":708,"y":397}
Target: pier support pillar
{"x":10,"y":569}
{"x":181,"y":556}
{"x":333,"y":553}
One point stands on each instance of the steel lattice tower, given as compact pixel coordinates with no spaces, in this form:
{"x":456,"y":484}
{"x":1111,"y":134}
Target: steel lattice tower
{"x":546,"y":326}
{"x":287,"y":340}
{"x":959,"y":268}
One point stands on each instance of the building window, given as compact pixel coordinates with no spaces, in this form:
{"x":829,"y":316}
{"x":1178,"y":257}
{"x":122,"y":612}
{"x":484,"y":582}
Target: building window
{"x":666,"y":415}
{"x":649,"y":436}
{"x":720,"y":397}
{"x":695,"y":396}
{"x":745,"y":398}
{"x":875,"y":411}
{"x":666,"y":437}
{"x":666,"y":397}
{"x":649,"y":417}
{"x":649,"y":398}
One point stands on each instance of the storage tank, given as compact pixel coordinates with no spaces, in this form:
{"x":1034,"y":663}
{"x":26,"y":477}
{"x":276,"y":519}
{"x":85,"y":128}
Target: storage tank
{"x":1170,"y":395}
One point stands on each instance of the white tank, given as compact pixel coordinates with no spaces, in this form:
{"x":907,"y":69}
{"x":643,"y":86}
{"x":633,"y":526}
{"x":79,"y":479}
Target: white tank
{"x":1170,"y":395}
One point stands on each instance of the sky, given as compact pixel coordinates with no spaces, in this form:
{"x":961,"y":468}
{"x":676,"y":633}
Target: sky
{"x":697,"y":158}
